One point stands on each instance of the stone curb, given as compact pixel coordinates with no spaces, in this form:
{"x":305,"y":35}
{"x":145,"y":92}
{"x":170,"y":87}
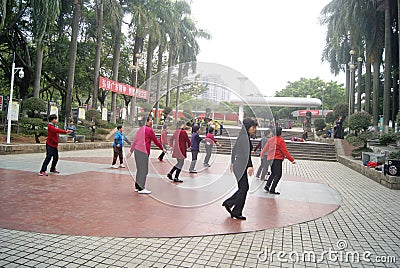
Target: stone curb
{"x":390,"y":182}
{"x":41,"y":148}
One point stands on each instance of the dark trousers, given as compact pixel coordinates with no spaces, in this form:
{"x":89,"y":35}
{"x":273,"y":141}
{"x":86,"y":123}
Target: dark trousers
{"x":276,"y":174}
{"x":263,"y":169}
{"x":73,"y":135}
{"x":208,"y":153}
{"x":177,"y":167}
{"x":161,"y":157}
{"x":142,"y":169}
{"x":118,"y":153}
{"x":50,"y":152}
{"x":238,"y":199}
{"x":194,"y":160}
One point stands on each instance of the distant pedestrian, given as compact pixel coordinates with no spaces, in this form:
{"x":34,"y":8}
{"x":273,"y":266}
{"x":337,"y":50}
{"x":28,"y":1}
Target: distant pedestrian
{"x":241,"y":165}
{"x":52,"y":145}
{"x":141,"y":149}
{"x":339,"y":128}
{"x":265,"y":163}
{"x":164,"y":141}
{"x":179,"y":142}
{"x":71,"y":126}
{"x":210,"y":140}
{"x":221,"y":128}
{"x":277,"y":151}
{"x":195,"y":147}
{"x":118,"y":144}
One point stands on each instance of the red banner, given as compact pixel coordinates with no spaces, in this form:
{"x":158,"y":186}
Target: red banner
{"x":121,"y":88}
{"x":313,"y":112}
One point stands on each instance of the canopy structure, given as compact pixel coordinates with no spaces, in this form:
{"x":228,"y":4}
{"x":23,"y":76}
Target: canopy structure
{"x":275,"y":101}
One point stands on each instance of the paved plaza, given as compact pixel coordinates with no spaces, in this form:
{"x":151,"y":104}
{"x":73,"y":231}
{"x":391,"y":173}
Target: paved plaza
{"x":327,"y":216}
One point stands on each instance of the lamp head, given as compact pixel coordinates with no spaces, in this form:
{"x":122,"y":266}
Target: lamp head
{"x":21,"y":74}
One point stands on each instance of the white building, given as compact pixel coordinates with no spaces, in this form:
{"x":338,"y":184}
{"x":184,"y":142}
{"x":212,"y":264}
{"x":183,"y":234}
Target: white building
{"x":215,"y":92}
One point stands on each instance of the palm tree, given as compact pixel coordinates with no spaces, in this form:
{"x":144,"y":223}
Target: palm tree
{"x":99,"y":21}
{"x":44,"y":13}
{"x":72,"y":58}
{"x":116,"y":57}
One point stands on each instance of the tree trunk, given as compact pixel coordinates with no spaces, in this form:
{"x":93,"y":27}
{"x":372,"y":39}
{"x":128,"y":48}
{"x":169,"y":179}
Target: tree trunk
{"x":136,"y":49}
{"x":375,"y":91}
{"x":159,"y":68}
{"x":367,"y":87}
{"x":388,"y":64}
{"x":178,"y":89}
{"x":359,"y":81}
{"x":38,"y":70}
{"x":347,"y":81}
{"x":395,"y":100}
{"x":99,"y":20}
{"x":72,"y":59}
{"x":149,"y":65}
{"x":117,"y":52}
{"x":170,"y":69}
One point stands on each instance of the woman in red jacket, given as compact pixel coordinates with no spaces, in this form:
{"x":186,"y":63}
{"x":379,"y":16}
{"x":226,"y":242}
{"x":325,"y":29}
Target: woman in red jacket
{"x":179,"y":142}
{"x":277,"y":151}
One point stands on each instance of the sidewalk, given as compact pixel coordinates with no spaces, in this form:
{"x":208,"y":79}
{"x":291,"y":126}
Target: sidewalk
{"x":368,"y":220}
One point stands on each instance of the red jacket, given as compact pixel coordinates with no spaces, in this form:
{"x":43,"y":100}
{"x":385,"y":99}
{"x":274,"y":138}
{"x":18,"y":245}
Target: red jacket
{"x":143,"y":139}
{"x":276,"y":148}
{"x":180,"y":142}
{"x":52,"y":135}
{"x":164,"y":137}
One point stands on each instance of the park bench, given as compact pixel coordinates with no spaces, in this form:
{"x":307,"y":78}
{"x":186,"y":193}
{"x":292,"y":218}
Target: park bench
{"x":64,"y":138}
{"x":372,"y":157}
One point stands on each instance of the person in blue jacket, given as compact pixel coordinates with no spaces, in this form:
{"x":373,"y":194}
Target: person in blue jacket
{"x":118,"y":144}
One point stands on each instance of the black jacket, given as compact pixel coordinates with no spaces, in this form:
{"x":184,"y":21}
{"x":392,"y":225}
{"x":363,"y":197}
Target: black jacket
{"x":241,"y":154}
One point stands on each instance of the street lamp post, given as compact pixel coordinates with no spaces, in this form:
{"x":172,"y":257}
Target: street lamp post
{"x":21,"y":75}
{"x":133,"y":110}
{"x":323,"y":90}
{"x":351,"y":89}
{"x":359,"y":78}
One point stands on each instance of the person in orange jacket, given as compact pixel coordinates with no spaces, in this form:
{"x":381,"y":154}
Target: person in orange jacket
{"x":277,"y":151}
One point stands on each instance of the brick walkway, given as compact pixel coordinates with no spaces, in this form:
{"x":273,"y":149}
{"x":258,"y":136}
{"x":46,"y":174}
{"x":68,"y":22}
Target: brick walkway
{"x":367,"y":223}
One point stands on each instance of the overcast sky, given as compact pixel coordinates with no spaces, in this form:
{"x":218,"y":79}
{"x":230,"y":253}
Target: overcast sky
{"x":270,"y":42}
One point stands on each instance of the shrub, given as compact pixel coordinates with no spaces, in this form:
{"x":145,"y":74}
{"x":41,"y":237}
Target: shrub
{"x":361,"y":139}
{"x":33,"y":126}
{"x":93,"y":116}
{"x":356,"y":153}
{"x":360,"y":121}
{"x":330,"y":118}
{"x":394,"y":155}
{"x":319,"y":124}
{"x":386,"y":139}
{"x":340,"y":109}
{"x":34,"y":107}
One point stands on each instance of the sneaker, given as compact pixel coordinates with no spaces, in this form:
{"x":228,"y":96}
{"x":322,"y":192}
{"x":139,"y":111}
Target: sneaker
{"x":122,"y":166}
{"x":144,"y":191}
{"x":55,"y":171}
{"x":161,"y":160}
{"x":114,"y":166}
{"x":136,"y":190}
{"x":169,"y":176}
{"x":42,"y":173}
{"x":177,"y":180}
{"x":193,"y":171}
{"x":266,"y":189}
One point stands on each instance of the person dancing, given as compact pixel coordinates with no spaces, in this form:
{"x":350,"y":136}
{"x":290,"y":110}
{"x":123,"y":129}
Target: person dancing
{"x":241,"y":165}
